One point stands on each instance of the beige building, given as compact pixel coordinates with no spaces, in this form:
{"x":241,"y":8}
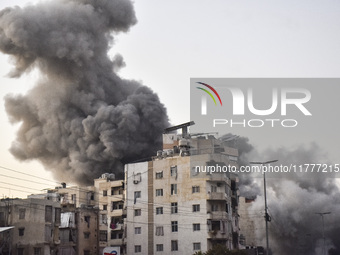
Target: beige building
{"x":110,"y":197}
{"x":247,"y":224}
{"x":36,"y":225}
{"x":174,"y":205}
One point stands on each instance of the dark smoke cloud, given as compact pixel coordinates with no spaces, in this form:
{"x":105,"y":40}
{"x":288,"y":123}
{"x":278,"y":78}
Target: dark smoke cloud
{"x":81,"y":119}
{"x":294,"y":200}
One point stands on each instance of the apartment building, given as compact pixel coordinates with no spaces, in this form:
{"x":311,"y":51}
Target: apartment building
{"x":78,"y":229}
{"x":110,"y":199}
{"x":36,"y":225}
{"x":174,"y":208}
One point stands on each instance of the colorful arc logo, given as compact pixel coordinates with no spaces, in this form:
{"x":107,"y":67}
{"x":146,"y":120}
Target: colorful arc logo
{"x":204,"y":101}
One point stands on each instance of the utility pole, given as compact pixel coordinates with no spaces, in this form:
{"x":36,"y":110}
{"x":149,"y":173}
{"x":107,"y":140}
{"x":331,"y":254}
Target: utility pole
{"x":266,"y":217}
{"x":323,"y":230}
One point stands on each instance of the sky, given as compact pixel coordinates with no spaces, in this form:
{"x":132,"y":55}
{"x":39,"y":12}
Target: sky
{"x":174,"y":41}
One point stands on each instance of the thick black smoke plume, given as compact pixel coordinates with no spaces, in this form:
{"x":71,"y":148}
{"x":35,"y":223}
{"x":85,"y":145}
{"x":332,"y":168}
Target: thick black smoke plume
{"x":294,"y":201}
{"x":81,"y":119}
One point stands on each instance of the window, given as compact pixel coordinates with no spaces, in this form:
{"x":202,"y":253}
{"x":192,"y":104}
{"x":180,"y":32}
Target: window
{"x":103,"y":235}
{"x":173,"y":171}
{"x":174,"y":245}
{"x":159,"y":175}
{"x":115,"y":235}
{"x":137,"y":194}
{"x":159,"y":210}
{"x":57,"y":215}
{"x":48,"y":213}
{"x":196,"y":227}
{"x":73,"y":198}
{"x":22,"y":214}
{"x":87,"y":252}
{"x":37,"y":251}
{"x":173,"y":189}
{"x":138,"y":212}
{"x":159,"y":231}
{"x":214,"y":208}
{"x":213,"y":188}
{"x":117,"y":206}
{"x":138,"y":248}
{"x":195,"y":189}
{"x":20,"y":251}
{"x":104,"y":193}
{"x":197,"y":246}
{"x":86,"y":235}
{"x":159,"y":192}
{"x":195,"y":208}
{"x":103,"y":219}
{"x":138,"y":230}
{"x":21,"y":231}
{"x":137,"y":178}
{"x":159,"y":247}
{"x":104,"y":207}
{"x":87,"y":220}
{"x":174,"y":208}
{"x":174,"y":226}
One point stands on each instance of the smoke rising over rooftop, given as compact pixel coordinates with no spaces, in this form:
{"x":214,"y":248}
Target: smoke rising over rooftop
{"x":293,"y":200}
{"x":81,"y":119}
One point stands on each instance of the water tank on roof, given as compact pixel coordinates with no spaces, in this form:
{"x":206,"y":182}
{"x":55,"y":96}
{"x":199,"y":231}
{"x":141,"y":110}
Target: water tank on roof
{"x":104,"y":176}
{"x":183,"y":143}
{"x":170,"y":153}
{"x":159,"y":153}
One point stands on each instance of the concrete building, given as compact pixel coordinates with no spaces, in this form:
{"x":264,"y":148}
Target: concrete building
{"x":247,"y":224}
{"x":110,"y":198}
{"x":36,"y":225}
{"x":79,"y":224}
{"x":174,"y":208}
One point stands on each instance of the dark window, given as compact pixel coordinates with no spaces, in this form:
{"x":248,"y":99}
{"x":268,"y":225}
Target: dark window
{"x":21,"y":231}
{"x":137,"y":195}
{"x":173,"y":171}
{"x":195,"y":189}
{"x":159,"y":231}
{"x":174,"y":208}
{"x":196,"y":226}
{"x":87,"y":252}
{"x":138,"y":230}
{"x":159,"y":192}
{"x":214,"y":208}
{"x":104,"y":207}
{"x":48,"y":213}
{"x":159,"y":175}
{"x":104,"y":193}
{"x":197,"y":246}
{"x":195,"y":208}
{"x":174,"y":245}
{"x":20,"y":251}
{"x":57,"y":215}
{"x":138,"y":248}
{"x":37,"y":251}
{"x":86,"y":235}
{"x":159,"y":210}
{"x":87,"y":220}
{"x":103,"y":235}
{"x":173,"y":189}
{"x":138,"y":212}
{"x":174,"y":226}
{"x":22,"y":213}
{"x":159,"y":247}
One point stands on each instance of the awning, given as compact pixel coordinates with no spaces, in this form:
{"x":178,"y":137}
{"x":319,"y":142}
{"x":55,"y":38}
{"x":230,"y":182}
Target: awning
{"x":3,"y":229}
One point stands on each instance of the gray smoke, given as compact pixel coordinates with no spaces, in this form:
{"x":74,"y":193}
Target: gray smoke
{"x":81,"y":119}
{"x":293,"y":201}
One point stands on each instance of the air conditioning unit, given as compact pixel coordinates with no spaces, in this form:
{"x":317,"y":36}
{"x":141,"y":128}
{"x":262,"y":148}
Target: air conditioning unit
{"x":135,"y":181}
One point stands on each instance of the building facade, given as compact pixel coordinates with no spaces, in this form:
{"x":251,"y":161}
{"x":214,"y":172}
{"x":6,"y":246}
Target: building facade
{"x":175,"y":206}
{"x":36,"y":225}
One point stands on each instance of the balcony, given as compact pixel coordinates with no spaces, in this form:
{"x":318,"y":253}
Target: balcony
{"x":116,"y":242}
{"x":218,"y":215}
{"x":217,"y":196}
